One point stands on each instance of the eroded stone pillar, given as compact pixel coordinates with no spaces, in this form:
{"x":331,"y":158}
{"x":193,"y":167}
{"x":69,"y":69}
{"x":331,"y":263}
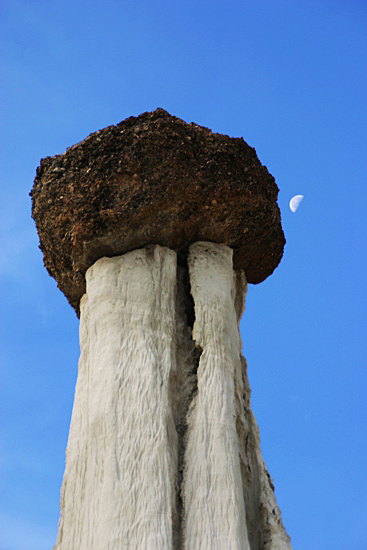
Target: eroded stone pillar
{"x":163,"y":450}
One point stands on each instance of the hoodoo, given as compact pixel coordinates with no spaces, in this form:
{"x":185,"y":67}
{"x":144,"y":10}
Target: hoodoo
{"x":152,"y":229}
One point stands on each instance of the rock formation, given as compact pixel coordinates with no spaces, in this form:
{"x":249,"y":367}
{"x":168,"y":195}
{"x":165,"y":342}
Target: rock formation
{"x":152,"y":229}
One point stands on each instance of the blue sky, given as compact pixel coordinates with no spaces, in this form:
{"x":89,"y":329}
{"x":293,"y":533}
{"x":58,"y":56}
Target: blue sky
{"x":290,"y":78}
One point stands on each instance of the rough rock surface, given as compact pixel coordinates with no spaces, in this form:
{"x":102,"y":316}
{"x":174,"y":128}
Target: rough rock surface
{"x":153,"y":179}
{"x":164,"y":451}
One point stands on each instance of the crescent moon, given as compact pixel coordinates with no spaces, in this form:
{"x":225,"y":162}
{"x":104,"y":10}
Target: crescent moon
{"x":294,"y":202}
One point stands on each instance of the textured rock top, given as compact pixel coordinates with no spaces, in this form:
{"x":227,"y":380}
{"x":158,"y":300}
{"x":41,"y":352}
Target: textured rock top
{"x":154,"y":179}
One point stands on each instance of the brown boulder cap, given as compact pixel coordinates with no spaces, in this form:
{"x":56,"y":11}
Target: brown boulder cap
{"x":154,"y":179}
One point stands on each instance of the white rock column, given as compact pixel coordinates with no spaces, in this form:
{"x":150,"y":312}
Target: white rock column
{"x":119,"y":484}
{"x":213,"y":487}
{"x":164,"y":451}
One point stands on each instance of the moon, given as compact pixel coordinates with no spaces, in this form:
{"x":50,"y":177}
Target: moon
{"x":294,"y":202}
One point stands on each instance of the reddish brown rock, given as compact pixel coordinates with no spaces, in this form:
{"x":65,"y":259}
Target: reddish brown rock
{"x":153,"y":179}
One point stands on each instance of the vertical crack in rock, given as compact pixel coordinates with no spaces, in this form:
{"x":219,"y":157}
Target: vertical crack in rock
{"x":183,"y":381}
